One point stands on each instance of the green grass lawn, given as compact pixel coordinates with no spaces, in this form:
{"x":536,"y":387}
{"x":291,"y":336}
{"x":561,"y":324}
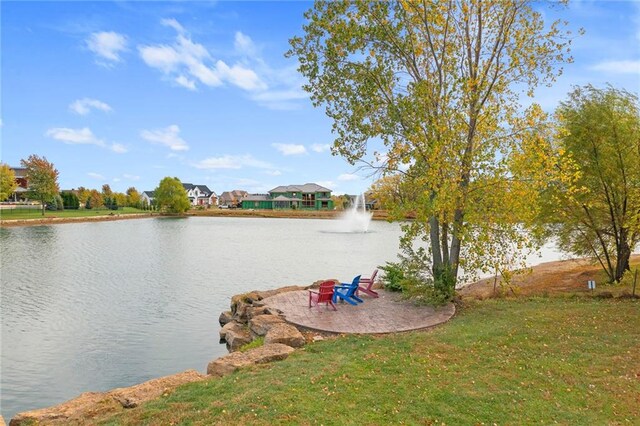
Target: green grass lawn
{"x":524,"y":361}
{"x":25,"y":214}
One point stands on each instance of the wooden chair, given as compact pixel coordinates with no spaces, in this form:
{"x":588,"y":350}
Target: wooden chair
{"x":366,"y":285}
{"x":347,"y":292}
{"x":323,"y":295}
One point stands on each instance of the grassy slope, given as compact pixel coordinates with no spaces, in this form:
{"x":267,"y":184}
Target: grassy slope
{"x":23,"y":214}
{"x":523,"y":361}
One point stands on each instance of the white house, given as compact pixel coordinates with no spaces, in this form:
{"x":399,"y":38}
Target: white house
{"x":200,"y":195}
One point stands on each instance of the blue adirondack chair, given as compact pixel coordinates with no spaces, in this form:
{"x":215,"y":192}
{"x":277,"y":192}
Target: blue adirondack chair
{"x":347,"y":292}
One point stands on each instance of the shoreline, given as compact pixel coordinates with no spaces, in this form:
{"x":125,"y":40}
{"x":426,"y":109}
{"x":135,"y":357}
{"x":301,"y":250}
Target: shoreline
{"x":559,"y":276}
{"x":10,"y":223}
{"x":278,"y":214}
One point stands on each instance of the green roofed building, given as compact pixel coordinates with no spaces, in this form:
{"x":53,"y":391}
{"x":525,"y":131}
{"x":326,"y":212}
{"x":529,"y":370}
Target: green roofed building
{"x":309,"y":196}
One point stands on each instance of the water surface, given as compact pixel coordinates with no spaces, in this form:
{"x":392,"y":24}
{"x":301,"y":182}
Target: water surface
{"x":93,"y":306}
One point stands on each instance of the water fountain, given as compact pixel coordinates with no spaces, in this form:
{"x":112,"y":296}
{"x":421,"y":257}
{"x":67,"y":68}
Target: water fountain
{"x":356,"y":219}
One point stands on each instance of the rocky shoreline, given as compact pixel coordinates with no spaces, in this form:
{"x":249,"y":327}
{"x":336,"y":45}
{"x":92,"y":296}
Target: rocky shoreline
{"x":247,"y":320}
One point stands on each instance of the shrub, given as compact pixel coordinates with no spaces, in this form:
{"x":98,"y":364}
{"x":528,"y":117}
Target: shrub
{"x":393,"y":276}
{"x":59,"y":202}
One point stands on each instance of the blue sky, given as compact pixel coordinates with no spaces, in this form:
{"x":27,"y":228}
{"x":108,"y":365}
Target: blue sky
{"x":126,"y":93}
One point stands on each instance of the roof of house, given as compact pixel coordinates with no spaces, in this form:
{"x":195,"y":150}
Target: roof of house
{"x":20,"y":172}
{"x":306,"y":188}
{"x":257,"y":197}
{"x":239,"y":193}
{"x":150,"y":194}
{"x":283,"y":198}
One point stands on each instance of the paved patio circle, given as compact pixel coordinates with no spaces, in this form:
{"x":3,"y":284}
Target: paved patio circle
{"x":385,"y":314}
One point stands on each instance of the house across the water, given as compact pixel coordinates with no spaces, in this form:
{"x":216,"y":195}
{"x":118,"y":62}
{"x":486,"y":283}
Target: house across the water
{"x":199,"y":195}
{"x":309,"y":196}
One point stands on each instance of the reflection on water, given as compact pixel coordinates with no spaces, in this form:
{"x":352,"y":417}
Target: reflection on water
{"x":93,"y":306}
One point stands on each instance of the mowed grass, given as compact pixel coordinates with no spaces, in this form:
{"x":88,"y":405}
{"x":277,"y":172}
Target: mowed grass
{"x":519,"y":361}
{"x":26,"y":214}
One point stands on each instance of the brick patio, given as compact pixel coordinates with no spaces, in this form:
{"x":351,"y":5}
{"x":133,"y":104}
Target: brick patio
{"x":386,"y":314}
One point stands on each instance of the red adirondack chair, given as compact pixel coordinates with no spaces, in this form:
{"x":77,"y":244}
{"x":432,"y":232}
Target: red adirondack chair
{"x":323,"y":295}
{"x":367,"y":283}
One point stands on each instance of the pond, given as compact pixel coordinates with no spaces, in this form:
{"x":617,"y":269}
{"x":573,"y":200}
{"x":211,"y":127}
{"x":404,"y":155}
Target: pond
{"x":94,"y":306}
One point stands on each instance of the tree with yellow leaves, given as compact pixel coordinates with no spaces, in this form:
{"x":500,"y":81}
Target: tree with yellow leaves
{"x":8,"y":182}
{"x":588,"y":175}
{"x":438,"y":83}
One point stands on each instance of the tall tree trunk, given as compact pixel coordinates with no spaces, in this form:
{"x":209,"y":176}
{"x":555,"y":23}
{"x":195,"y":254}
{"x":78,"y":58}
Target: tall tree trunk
{"x":456,"y":243}
{"x":434,"y":237}
{"x":622,"y":256}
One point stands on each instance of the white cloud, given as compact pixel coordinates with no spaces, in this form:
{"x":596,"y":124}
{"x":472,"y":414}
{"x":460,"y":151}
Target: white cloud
{"x":116,"y":179}
{"x":96,"y":176}
{"x":244,"y":44}
{"x":273,"y":172}
{"x":618,"y":67}
{"x":280,"y":99}
{"x":168,"y":136}
{"x":348,"y":177}
{"x":82,"y":136}
{"x":232,"y":162}
{"x":107,"y":45}
{"x":186,"y":82}
{"x":240,"y":76}
{"x":289,"y":148}
{"x":118,"y":148}
{"x":173,"y":24}
{"x":187,"y":63}
{"x":319,"y":147}
{"x":84,"y":106}
{"x":130,"y":177}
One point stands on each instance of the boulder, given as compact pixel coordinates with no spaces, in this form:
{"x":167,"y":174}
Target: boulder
{"x":237,"y":337}
{"x":269,"y":293}
{"x":285,"y":334}
{"x":253,"y":311}
{"x":135,"y":395}
{"x":225,"y":318}
{"x":239,"y":300}
{"x":260,"y":324}
{"x":233,"y":325}
{"x":91,"y":405}
{"x":229,"y":363}
{"x":74,"y":411}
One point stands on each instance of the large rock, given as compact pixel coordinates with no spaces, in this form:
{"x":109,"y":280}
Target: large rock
{"x":242,"y":300}
{"x":225,"y":318}
{"x":285,"y":334}
{"x":268,"y":293}
{"x":229,"y":363}
{"x":135,"y":395}
{"x":260,"y":324}
{"x":236,"y":336}
{"x":231,"y":326}
{"x":254,"y":311}
{"x":74,"y":411}
{"x":92,"y":405}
